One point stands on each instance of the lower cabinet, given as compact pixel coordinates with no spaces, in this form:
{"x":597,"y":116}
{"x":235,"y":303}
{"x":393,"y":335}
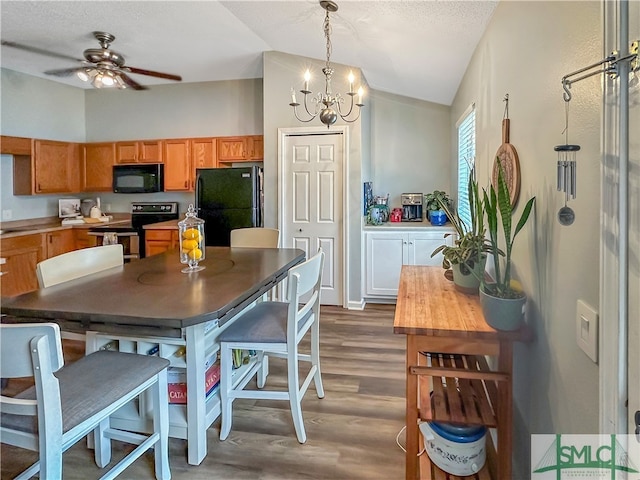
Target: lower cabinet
{"x":21,"y":255}
{"x":83,"y":239}
{"x":387,"y":251}
{"x":59,"y":242}
{"x":159,"y":241}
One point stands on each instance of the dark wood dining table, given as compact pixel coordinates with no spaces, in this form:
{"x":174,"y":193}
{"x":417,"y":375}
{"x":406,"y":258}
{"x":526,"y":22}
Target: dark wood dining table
{"x":150,"y":307}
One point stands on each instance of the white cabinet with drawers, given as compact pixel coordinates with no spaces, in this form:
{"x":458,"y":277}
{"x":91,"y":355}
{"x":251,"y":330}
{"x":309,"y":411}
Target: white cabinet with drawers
{"x":387,"y":249}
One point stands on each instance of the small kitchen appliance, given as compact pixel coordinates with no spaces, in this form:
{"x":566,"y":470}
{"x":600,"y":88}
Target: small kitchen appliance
{"x":411,"y":207}
{"x":131,"y":234}
{"x":457,"y":449}
{"x":138,"y":178}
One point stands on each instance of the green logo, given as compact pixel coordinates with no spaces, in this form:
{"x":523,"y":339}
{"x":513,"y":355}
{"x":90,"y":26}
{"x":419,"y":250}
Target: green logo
{"x":583,"y":456}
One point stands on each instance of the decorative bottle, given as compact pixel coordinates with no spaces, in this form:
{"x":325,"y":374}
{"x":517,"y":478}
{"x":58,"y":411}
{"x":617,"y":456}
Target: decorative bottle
{"x":192,"y":244}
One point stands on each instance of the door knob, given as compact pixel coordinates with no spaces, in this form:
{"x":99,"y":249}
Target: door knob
{"x":300,"y":230}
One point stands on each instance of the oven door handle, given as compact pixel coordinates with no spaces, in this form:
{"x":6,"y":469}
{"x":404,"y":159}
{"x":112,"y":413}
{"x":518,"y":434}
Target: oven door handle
{"x":119,"y":234}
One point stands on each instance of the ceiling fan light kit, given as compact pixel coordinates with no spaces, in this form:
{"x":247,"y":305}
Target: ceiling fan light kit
{"x":328,"y":106}
{"x":102,"y":67}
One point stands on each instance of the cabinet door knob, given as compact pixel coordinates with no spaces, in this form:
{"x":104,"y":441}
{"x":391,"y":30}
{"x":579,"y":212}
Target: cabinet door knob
{"x":300,"y":230}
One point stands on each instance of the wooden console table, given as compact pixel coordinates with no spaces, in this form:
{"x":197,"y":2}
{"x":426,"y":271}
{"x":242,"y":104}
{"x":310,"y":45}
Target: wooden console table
{"x":447,"y":341}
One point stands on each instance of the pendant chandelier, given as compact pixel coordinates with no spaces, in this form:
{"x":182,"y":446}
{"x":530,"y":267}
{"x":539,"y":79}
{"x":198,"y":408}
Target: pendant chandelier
{"x":327,"y":106}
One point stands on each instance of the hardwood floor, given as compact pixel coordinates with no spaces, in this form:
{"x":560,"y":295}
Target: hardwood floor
{"x":351,"y":433}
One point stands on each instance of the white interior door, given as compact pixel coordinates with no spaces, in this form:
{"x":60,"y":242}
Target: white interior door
{"x":312,"y":202}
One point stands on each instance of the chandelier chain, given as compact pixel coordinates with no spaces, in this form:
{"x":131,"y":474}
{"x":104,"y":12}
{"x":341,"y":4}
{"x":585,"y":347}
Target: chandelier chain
{"x":327,"y":34}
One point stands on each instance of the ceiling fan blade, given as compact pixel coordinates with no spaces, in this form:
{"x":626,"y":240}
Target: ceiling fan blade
{"x":40,"y":51}
{"x":130,"y":82}
{"x":151,"y":73}
{"x":63,"y":72}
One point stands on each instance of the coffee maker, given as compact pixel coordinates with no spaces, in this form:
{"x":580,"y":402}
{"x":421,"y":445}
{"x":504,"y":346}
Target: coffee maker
{"x":411,"y":207}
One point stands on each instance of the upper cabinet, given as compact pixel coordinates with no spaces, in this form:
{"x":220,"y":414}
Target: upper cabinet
{"x":97,"y":166}
{"x":181,"y":158}
{"x":240,"y":149}
{"x":51,"y":167}
{"x":141,"y":151}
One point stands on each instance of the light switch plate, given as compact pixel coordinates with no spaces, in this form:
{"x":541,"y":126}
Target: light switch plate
{"x":587,"y":329}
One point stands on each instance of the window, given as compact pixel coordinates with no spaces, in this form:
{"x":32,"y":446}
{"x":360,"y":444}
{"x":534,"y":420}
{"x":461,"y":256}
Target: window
{"x":466,"y":159}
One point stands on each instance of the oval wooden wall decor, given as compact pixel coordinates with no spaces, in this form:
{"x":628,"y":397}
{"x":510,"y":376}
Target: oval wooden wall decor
{"x":508,"y":157}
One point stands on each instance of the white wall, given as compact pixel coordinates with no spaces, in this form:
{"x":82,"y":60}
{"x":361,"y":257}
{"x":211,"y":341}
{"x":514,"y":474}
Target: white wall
{"x":525,"y":51}
{"x":39,"y":108}
{"x":410,"y":147}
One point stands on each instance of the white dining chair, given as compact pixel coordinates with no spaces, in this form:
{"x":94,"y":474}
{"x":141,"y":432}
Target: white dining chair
{"x":78,"y":263}
{"x":276,"y":329}
{"x":75,"y":264}
{"x":255,"y":237}
{"x":70,"y":401}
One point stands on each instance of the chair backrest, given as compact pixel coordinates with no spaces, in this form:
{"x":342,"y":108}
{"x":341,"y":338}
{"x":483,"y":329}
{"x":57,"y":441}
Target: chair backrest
{"x":31,"y":350}
{"x":255,"y":237}
{"x":78,"y":263}
{"x":304,"y":280}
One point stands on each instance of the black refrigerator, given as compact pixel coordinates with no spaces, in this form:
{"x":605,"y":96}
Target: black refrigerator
{"x":226,"y":199}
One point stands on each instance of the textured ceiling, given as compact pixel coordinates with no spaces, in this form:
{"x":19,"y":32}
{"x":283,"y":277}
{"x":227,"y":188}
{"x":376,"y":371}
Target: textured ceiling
{"x":419,"y":49}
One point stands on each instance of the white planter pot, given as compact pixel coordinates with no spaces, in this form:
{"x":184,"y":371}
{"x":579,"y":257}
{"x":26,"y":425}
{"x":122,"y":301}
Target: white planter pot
{"x":455,"y":450}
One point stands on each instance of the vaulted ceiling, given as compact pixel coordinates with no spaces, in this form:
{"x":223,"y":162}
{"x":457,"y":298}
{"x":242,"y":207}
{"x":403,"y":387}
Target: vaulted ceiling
{"x":419,"y":49}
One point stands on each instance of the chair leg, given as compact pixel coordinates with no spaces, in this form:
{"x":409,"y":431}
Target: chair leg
{"x":263,"y":371}
{"x":160,"y":398}
{"x":102,"y":444}
{"x":226,"y":372}
{"x":293,"y":383}
{"x":315,"y":357}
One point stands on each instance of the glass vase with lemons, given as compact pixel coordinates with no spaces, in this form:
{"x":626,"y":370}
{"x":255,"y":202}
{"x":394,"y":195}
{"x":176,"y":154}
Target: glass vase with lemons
{"x":192,"y":245}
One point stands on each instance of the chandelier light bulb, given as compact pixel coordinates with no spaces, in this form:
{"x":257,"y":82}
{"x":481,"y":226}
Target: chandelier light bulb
{"x":307,"y":77}
{"x":351,"y":79}
{"x":360,"y":95}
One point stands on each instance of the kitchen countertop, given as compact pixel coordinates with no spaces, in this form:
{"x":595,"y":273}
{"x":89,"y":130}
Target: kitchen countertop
{"x":166,"y":225}
{"x":416,"y":226}
{"x":52,"y":224}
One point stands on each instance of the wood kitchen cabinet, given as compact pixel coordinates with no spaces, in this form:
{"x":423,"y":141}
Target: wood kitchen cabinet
{"x":52,"y":167}
{"x":141,"y":151}
{"x":82,"y":239}
{"x":21,"y":255}
{"x":387,"y":251}
{"x":58,"y":242}
{"x":241,"y":149}
{"x":15,"y":145}
{"x":177,"y":164}
{"x":182,"y":157}
{"x":159,"y":241}
{"x":97,"y":167}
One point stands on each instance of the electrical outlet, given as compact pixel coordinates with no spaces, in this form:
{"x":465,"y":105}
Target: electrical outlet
{"x":7,"y":214}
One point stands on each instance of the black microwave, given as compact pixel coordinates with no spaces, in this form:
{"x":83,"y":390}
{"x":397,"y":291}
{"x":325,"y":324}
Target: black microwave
{"x":138,"y":178}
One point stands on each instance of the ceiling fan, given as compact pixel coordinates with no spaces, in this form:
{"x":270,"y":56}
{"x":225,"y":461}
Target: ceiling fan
{"x":102,"y":66}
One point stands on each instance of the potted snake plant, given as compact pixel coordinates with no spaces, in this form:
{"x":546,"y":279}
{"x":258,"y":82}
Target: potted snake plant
{"x":502,"y":305}
{"x":468,"y":254}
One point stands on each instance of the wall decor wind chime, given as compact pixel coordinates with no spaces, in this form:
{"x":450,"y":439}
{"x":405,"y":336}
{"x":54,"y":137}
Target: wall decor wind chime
{"x":567,"y":153}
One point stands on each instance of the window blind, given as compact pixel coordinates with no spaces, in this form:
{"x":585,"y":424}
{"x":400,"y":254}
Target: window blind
{"x":466,"y":159}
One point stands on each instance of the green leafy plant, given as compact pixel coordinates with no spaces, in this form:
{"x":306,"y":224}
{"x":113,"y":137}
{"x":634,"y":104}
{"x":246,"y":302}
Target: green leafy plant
{"x":471,"y":244}
{"x":434,"y":200}
{"x":498,"y":207}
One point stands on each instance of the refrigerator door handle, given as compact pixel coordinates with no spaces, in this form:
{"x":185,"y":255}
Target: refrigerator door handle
{"x":198,"y":189}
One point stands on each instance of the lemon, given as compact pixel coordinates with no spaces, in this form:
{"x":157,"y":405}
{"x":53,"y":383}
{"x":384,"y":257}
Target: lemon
{"x":189,"y":244}
{"x":191,"y":234}
{"x":195,"y":254}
